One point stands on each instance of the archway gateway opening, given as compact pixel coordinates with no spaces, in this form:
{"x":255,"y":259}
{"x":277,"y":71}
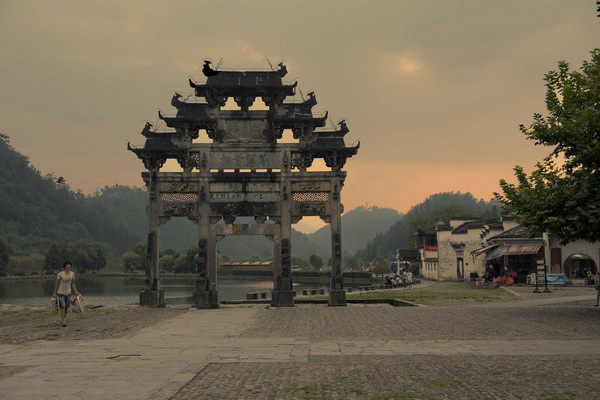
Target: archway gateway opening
{"x":578,"y":265}
{"x":244,"y":172}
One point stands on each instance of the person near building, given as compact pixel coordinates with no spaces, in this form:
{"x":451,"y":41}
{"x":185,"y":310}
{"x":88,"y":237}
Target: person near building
{"x":63,"y":289}
{"x":597,"y":285}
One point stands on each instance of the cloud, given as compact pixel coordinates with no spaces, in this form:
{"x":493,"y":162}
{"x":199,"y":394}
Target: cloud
{"x":249,"y":51}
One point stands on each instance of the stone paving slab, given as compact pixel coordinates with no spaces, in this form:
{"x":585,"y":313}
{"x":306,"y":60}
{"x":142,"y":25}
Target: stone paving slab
{"x":371,"y":322}
{"x":428,"y":377}
{"x":157,"y":361}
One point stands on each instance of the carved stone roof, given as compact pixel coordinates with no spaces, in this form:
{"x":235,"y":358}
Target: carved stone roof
{"x":245,"y":126}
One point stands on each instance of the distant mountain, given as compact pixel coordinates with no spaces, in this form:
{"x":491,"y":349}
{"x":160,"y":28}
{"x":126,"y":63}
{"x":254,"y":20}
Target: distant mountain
{"x":37,"y":210}
{"x":359,"y":226}
{"x":439,"y":206}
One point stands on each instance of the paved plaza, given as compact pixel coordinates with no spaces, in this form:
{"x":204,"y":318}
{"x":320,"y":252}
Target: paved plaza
{"x":530,"y":349}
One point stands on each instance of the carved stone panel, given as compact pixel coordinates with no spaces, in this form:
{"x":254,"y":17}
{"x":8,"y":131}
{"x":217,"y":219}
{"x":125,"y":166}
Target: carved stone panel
{"x":306,"y":209}
{"x":224,"y":197}
{"x":245,"y":160}
{"x":244,"y":187}
{"x":229,"y":211}
{"x":243,"y":130}
{"x":311,"y":186}
{"x":179,"y":187}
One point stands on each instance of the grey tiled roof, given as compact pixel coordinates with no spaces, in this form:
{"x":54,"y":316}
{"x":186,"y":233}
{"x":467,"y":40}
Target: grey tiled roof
{"x":479,"y":223}
{"x":518,"y":232}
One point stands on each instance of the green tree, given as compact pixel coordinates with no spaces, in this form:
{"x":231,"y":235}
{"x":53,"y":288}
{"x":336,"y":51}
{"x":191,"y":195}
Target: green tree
{"x":86,"y":255}
{"x":131,"y":261}
{"x":380,"y":266}
{"x":301,"y":263}
{"x":55,"y":257}
{"x":3,"y":258}
{"x":220,"y":260}
{"x":562,"y":195}
{"x":30,"y":264}
{"x":351,"y":263}
{"x":167,"y":263}
{"x":140,"y":249}
{"x":315,"y":262}
{"x":181,"y":264}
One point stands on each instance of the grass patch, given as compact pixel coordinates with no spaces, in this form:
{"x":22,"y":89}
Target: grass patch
{"x":451,"y":383}
{"x":309,"y":392}
{"x":404,"y":395}
{"x":35,"y":312}
{"x":49,"y":336}
{"x":323,"y":391}
{"x":558,"y":395}
{"x":437,"y":294}
{"x":440,"y":293}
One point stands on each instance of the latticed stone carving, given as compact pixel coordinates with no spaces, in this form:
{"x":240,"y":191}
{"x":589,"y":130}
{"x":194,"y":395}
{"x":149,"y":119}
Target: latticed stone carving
{"x":310,"y":196}
{"x":178,"y":198}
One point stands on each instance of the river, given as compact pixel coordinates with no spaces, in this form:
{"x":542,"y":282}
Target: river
{"x":117,"y":290}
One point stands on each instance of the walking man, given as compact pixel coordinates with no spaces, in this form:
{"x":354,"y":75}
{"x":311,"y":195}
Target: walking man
{"x":64,"y":287}
{"x":597,"y":288}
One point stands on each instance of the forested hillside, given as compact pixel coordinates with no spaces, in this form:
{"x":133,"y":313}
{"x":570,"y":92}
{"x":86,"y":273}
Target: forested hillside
{"x":37,"y":211}
{"x":439,"y":206}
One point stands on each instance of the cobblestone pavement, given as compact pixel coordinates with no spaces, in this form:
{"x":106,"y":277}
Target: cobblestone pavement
{"x":404,"y":377}
{"x":315,"y":352}
{"x":426,"y":323}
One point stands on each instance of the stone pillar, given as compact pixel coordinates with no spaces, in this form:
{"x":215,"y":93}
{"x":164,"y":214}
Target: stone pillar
{"x":337,"y":294}
{"x":152,"y":295}
{"x":283,"y":295}
{"x":205,"y":295}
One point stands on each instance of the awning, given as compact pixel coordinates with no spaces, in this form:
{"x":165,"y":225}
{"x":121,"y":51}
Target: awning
{"x":478,"y":252}
{"x":496,"y":251}
{"x":520,"y":249}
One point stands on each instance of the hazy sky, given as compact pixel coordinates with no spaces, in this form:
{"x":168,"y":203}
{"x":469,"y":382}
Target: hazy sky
{"x":434,"y":90}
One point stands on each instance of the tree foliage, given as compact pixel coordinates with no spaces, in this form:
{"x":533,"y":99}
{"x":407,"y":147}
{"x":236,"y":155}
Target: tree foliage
{"x":132,"y":261}
{"x":3,"y":257}
{"x":55,"y":257}
{"x":315,"y":262}
{"x":380,"y":266}
{"x":351,"y":262}
{"x":562,"y":195}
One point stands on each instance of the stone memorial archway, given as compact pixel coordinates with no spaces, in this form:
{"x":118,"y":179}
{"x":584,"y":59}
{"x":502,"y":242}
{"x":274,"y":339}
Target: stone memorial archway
{"x":243,"y":172}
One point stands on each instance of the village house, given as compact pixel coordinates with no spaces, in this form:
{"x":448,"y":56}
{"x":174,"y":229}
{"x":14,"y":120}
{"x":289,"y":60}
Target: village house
{"x":446,"y":247}
{"x":453,"y":251}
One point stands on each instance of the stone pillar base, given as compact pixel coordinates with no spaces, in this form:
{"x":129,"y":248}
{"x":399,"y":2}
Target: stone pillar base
{"x":337,"y":297}
{"x":282,"y":298}
{"x":205,"y":299}
{"x":152,"y":298}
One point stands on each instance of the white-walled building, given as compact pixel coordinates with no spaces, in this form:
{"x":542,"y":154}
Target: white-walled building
{"x":452,"y":251}
{"x":446,"y":248}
